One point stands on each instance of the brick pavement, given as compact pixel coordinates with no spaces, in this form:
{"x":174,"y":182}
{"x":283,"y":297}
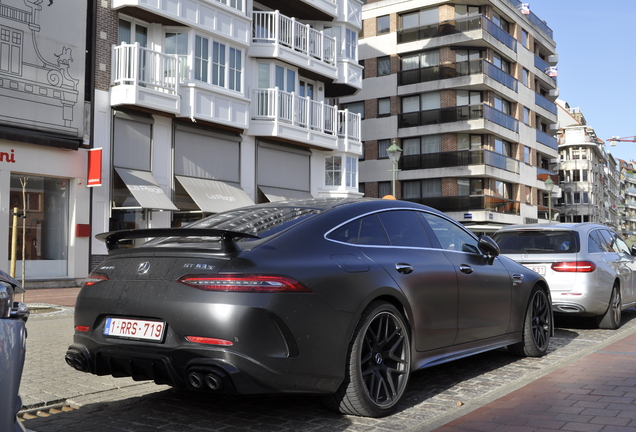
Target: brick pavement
{"x":595,"y":393}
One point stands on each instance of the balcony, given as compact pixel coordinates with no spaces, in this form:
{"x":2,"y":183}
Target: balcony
{"x":289,"y":116}
{"x":454,"y":70}
{"x":451,"y":27}
{"x":544,"y":67}
{"x":470,"y":203}
{"x":534,"y":19}
{"x":281,"y":37}
{"x":547,"y":140}
{"x":158,"y":81}
{"x":144,"y":77}
{"x":546,"y":104}
{"x":455,"y":114}
{"x":458,"y":158}
{"x":225,"y":17}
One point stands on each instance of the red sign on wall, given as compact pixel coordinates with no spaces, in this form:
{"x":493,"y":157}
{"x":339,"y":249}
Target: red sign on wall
{"x":94,"y":167}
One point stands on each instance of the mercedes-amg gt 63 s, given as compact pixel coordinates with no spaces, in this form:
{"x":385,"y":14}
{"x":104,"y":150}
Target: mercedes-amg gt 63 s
{"x":339,"y":297}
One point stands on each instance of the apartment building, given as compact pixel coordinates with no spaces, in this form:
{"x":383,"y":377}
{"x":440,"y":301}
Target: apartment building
{"x":588,"y":178}
{"x":203,"y":106}
{"x":466,"y":90}
{"x":44,"y":112}
{"x":627,"y":208}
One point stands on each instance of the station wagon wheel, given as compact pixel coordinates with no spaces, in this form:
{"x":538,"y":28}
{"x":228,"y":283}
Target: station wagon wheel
{"x":379,"y":364}
{"x":537,"y":327}
{"x":612,"y":318}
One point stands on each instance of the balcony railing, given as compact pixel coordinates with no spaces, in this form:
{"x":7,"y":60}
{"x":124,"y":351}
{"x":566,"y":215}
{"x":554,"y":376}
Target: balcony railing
{"x":458,"y":158}
{"x":470,"y":203}
{"x":501,"y":118}
{"x":543,"y":66}
{"x":275,"y":28}
{"x":455,"y":114}
{"x":454,"y":70}
{"x":545,"y":103}
{"x":463,"y":25}
{"x":536,"y":20}
{"x":133,"y":64}
{"x":546,"y":139}
{"x":277,"y":105}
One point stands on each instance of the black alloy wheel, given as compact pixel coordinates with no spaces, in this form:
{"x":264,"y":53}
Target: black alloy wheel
{"x":612,"y":318}
{"x":537,"y":327}
{"x":379,"y":364}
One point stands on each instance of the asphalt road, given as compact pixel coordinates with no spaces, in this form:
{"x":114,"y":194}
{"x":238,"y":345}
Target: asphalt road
{"x":57,"y":398}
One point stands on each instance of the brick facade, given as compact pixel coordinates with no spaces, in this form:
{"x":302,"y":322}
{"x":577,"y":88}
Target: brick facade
{"x":106,"y":37}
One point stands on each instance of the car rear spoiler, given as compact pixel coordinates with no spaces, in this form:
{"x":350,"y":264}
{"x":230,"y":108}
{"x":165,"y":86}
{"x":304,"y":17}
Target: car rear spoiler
{"x":228,"y":243}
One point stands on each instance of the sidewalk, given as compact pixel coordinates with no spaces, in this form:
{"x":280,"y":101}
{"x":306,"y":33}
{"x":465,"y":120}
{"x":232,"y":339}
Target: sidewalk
{"x":594,"y":393}
{"x":54,"y":296}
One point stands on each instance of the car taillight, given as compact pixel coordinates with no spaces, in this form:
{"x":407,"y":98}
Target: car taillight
{"x":80,"y":328}
{"x":94,"y":278}
{"x":244,"y":283}
{"x":574,"y":267}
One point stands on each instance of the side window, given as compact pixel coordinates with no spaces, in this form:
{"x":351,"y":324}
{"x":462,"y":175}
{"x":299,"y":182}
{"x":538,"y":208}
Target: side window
{"x":620,"y":246}
{"x":608,"y":240}
{"x":451,"y":236}
{"x":404,"y":228}
{"x":595,"y":243}
{"x":365,"y":231}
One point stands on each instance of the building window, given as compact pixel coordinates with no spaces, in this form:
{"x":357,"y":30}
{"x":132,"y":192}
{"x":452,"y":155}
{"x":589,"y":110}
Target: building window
{"x":177,"y":43}
{"x":356,"y":107}
{"x":422,"y":102}
{"x":201,"y":59}
{"x":503,"y":189}
{"x":384,"y":189}
{"x":576,"y":198}
{"x":420,"y":18}
{"x":352,"y":172}
{"x":218,"y":64}
{"x":469,"y":142}
{"x":465,"y":98}
{"x":462,"y":11}
{"x":236,"y":68}
{"x":526,"y":115}
{"x":420,"y":60}
{"x":351,"y":44}
{"x":383,"y":145}
{"x":501,"y":63}
{"x":384,"y":107}
{"x":524,"y":77}
{"x":503,"y":147}
{"x":586,"y":198}
{"x":384,"y":66}
{"x":429,"y":188}
{"x":524,"y":38}
{"x":503,"y":105}
{"x":333,"y":170}
{"x":383,"y":24}
{"x":500,"y":22}
{"x":526,"y":155}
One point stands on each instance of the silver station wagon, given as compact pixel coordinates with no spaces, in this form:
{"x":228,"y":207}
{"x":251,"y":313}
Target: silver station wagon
{"x":589,"y":268}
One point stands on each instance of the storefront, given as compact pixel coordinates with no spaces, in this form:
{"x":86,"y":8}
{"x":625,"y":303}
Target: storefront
{"x":46,"y":187}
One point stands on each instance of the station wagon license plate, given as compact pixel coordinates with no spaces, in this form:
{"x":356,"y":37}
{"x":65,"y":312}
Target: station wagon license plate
{"x":134,"y":329}
{"x":537,"y":269}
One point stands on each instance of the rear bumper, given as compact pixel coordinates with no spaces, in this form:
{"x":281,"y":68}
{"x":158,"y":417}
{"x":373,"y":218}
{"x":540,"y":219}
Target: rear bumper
{"x":211,"y":369}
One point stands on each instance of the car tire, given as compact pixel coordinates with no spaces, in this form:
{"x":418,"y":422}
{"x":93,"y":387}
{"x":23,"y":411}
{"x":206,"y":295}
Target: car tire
{"x":378,"y":364}
{"x":537,"y":327}
{"x":612,"y":318}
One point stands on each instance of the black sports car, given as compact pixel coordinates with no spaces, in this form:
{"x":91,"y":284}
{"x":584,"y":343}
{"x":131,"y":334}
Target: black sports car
{"x":340,"y":297}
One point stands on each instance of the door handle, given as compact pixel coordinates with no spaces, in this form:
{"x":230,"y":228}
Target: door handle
{"x":404,"y":268}
{"x":465,"y":269}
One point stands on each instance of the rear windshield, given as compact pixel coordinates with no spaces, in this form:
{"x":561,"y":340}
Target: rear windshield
{"x":263,"y":222}
{"x":536,"y":242}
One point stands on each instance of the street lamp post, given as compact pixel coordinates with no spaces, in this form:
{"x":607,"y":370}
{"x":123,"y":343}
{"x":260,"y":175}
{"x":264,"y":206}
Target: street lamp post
{"x":394,"y":152}
{"x":549,"y":185}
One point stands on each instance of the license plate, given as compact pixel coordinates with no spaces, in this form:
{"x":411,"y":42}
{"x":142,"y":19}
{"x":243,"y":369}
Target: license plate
{"x":537,"y":269}
{"x":134,"y":329}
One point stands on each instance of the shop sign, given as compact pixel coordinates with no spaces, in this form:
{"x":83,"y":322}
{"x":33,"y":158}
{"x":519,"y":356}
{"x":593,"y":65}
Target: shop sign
{"x":94,"y":167}
{"x":7,"y":157}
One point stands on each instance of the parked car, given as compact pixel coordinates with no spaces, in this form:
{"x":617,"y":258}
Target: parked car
{"x":589,"y":267}
{"x":13,"y":317}
{"x":339,"y":297}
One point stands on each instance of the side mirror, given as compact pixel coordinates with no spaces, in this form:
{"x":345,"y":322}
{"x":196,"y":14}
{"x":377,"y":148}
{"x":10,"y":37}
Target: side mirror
{"x":633,"y":250}
{"x":489,"y":247}
{"x":6,"y":300}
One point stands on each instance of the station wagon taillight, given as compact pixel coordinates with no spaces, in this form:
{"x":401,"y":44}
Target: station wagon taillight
{"x":574,"y":266}
{"x":245,"y":283}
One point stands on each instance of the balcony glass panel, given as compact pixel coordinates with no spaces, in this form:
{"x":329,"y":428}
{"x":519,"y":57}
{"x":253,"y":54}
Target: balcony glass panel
{"x":458,"y":158}
{"x":438,"y":116}
{"x":457,"y":26}
{"x":501,"y":118}
{"x":534,"y":19}
{"x":468,"y":203}
{"x":548,"y":140}
{"x":545,"y":103}
{"x":500,"y":76}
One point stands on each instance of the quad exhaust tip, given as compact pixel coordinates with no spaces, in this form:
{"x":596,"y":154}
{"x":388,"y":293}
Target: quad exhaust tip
{"x":205,"y":380}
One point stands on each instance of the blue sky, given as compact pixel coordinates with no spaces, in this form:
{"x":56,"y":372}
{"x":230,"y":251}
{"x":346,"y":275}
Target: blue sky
{"x":597,"y":63}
